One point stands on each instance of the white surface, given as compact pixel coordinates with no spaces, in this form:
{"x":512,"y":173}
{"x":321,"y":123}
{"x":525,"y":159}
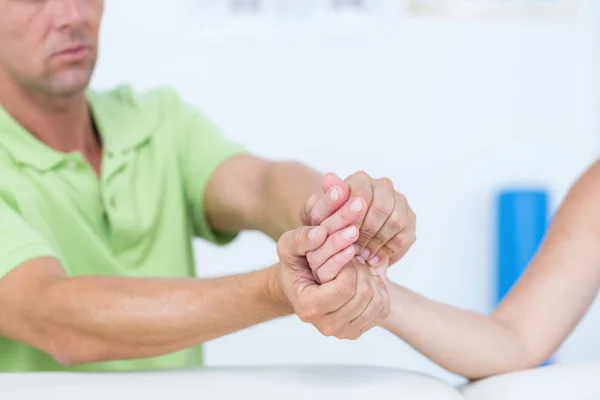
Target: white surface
{"x":289,"y":383}
{"x":494,"y":8}
{"x":450,"y":110}
{"x":560,"y":382}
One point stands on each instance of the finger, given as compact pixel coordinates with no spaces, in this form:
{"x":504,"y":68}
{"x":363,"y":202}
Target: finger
{"x":333,"y":295}
{"x":381,"y":208}
{"x":408,"y":238}
{"x":356,"y":306}
{"x":360,"y":186}
{"x":401,"y":254}
{"x":330,"y":180}
{"x":299,"y":242}
{"x":386,"y":239}
{"x":368,"y":318}
{"x":334,"y":244}
{"x":351,"y":213}
{"x":380,"y":272}
{"x":334,"y":198}
{"x":332,"y":267}
{"x":380,"y":279}
{"x":305,"y":214}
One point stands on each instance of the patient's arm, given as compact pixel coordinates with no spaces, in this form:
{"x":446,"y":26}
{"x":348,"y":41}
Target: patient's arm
{"x":535,"y":317}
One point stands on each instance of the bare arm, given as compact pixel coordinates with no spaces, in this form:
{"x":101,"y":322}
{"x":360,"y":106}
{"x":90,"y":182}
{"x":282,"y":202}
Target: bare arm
{"x":90,"y":319}
{"x":534,"y":318}
{"x":249,"y":193}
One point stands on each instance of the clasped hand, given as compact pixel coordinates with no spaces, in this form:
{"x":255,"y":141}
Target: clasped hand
{"x":333,"y":269}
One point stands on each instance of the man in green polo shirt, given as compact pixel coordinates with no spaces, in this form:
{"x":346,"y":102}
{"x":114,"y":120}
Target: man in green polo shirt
{"x":101,"y":194}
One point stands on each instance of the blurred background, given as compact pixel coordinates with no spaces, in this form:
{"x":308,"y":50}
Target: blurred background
{"x":453,"y":100}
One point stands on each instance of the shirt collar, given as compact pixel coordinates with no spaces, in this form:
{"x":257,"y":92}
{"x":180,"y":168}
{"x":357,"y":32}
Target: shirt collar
{"x":121,"y":123}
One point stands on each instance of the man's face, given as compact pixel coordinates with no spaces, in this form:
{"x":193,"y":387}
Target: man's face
{"x":49,"y":46}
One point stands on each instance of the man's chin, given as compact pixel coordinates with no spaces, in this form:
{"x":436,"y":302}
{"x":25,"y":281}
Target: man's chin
{"x":70,"y":83}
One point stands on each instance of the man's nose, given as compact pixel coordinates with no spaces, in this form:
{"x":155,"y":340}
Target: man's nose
{"x":66,"y":13}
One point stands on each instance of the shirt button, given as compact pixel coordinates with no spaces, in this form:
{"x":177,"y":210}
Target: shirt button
{"x":72,"y":165}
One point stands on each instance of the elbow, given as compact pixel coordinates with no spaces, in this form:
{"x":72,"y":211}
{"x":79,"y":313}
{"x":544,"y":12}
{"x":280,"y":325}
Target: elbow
{"x":69,"y":351}
{"x":515,"y":353}
{"x":63,"y":353}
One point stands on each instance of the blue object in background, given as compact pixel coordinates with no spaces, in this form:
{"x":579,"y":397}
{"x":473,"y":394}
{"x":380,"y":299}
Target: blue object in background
{"x":522,"y":219}
{"x":522,"y":222}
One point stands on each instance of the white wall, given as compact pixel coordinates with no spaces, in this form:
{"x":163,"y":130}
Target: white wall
{"x":450,"y":110}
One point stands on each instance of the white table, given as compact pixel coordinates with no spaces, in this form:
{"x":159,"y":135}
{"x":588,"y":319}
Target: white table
{"x":559,"y":382}
{"x":281,"y":383}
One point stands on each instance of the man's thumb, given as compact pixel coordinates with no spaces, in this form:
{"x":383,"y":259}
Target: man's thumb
{"x":300,"y":241}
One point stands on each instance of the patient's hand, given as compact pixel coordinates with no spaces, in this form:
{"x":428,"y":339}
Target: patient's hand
{"x":380,"y":222}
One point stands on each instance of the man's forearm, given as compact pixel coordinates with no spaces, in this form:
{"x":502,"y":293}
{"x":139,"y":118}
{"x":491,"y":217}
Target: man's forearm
{"x":464,"y":342}
{"x":288,"y":186}
{"x":89,"y":319}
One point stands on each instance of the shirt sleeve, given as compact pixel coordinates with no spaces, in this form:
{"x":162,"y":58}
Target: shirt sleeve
{"x":202,"y":148}
{"x":19,"y":242}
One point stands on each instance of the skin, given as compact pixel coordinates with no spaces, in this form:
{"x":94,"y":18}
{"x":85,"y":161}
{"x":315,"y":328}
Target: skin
{"x":48,"y":50}
{"x":535,"y":317}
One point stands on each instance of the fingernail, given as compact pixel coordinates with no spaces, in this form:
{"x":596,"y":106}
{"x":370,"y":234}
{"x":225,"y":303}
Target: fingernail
{"x":334,"y":195}
{"x":356,"y":248}
{"x":360,"y":260}
{"x":356,"y":205}
{"x":350,"y":250}
{"x":365,"y":254}
{"x":314,"y":232}
{"x":374,"y":271}
{"x":349,"y":233}
{"x":374,"y":260}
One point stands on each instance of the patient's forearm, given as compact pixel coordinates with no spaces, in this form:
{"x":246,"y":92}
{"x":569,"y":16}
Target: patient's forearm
{"x":464,"y":342}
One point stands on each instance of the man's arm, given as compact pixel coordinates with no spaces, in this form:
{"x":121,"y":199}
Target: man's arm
{"x":91,"y":319}
{"x":250,"y":193}
{"x":534,"y":318}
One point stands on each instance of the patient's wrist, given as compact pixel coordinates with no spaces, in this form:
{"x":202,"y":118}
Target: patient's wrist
{"x":389,"y":321}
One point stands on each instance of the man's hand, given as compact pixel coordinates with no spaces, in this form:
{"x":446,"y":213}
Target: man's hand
{"x":345,"y":307}
{"x":386,"y":225}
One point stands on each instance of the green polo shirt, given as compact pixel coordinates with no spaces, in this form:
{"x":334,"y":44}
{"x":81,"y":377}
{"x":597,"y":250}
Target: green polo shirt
{"x":138,"y":220}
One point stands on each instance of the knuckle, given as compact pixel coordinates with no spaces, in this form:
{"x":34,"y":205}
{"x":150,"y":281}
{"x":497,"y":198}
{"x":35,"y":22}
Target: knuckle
{"x":387,"y":182}
{"x":368,"y":231}
{"x":328,"y":330}
{"x":397,"y":222}
{"x":312,"y":259}
{"x":339,"y":333}
{"x":412,"y":216}
{"x":400,"y":198}
{"x":282,"y":249}
{"x":366,"y":291}
{"x":297,"y":238}
{"x":316,"y":217}
{"x":347,"y":289}
{"x":326,"y":273}
{"x":337,"y":241}
{"x":398,"y":242}
{"x":378,"y":303}
{"x":306,"y":312}
{"x":361,"y":175}
{"x":383,"y":209}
